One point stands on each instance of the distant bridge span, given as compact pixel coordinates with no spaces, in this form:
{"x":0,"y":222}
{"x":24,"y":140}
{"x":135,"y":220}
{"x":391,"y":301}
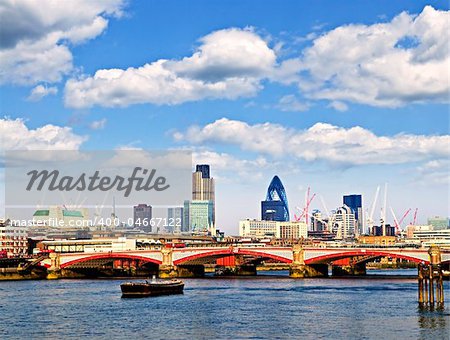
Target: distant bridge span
{"x":194,"y":256}
{"x":67,"y":260}
{"x":325,"y":255}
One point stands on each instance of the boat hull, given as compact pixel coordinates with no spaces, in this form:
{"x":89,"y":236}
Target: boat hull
{"x":137,"y":290}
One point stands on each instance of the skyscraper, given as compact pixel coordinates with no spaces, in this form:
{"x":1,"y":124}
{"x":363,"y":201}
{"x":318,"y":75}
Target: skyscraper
{"x":204,"y":169}
{"x":343,"y":223}
{"x":275,"y":207}
{"x":201,"y":217}
{"x":202,"y":184}
{"x":199,"y":214}
{"x":142,"y":216}
{"x":354,"y":202}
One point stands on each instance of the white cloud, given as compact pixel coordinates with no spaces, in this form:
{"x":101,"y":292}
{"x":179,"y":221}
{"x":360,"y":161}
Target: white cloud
{"x":228,"y":53}
{"x":98,"y":124}
{"x":435,"y":171}
{"x":228,"y":64}
{"x":35,"y":35}
{"x":40,"y":91}
{"x":321,"y":142}
{"x":339,"y":106}
{"x":228,"y":168}
{"x":15,"y":135}
{"x":291,"y":103}
{"x":388,"y":64}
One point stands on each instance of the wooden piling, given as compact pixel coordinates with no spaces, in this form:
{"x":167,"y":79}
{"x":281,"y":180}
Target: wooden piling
{"x":430,"y":281}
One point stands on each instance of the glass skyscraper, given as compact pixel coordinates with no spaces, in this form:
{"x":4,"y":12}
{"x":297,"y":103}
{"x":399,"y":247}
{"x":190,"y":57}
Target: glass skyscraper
{"x":275,"y":207}
{"x":354,"y":202}
{"x":199,"y":213}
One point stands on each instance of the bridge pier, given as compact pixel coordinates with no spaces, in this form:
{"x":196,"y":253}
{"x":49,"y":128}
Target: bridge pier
{"x":167,"y":272}
{"x":190,"y":271}
{"x":298,"y":268}
{"x":305,"y":271}
{"x":358,"y":269}
{"x":245,"y":270}
{"x":166,"y":269}
{"x":54,"y":272}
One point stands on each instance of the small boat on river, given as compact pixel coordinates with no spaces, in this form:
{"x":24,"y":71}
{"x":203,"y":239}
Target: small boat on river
{"x":154,"y":287}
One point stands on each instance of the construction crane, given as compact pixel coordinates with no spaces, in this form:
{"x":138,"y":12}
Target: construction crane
{"x":330,"y":216}
{"x":384,"y":214}
{"x":305,"y":210}
{"x":372,"y":208}
{"x":415,"y":217}
{"x":398,"y":223}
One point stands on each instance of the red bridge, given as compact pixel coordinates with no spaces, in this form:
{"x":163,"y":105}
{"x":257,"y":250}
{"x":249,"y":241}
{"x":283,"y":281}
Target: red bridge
{"x":190,"y":261}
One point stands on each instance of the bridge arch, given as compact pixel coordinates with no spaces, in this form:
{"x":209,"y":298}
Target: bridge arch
{"x":346,"y":254}
{"x":216,"y":254}
{"x":111,"y":256}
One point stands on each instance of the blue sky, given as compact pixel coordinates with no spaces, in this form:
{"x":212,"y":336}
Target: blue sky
{"x":339,"y":96}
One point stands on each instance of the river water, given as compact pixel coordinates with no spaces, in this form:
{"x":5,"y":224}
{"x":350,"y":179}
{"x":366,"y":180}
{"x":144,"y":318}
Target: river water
{"x":267,"y":306}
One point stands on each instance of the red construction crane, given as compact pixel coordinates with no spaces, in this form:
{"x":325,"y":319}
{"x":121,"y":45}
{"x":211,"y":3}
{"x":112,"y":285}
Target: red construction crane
{"x":415,"y":217}
{"x":305,"y":211}
{"x":398,"y":223}
{"x":403,"y":217}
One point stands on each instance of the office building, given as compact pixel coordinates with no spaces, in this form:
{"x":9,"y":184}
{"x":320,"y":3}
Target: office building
{"x":275,"y":207}
{"x":278,"y":229}
{"x":175,"y":219}
{"x":62,"y":217}
{"x":378,"y":230}
{"x":142,"y":217}
{"x":13,"y":239}
{"x":186,"y":217}
{"x":410,"y":229}
{"x":343,"y":223}
{"x":318,"y":223}
{"x":203,"y":187}
{"x":204,"y":169}
{"x":199,"y":217}
{"x":439,"y":223}
{"x":202,"y":184}
{"x":429,"y":237}
{"x":354,"y":202}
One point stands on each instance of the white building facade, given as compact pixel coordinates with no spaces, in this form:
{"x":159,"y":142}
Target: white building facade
{"x":13,"y":239}
{"x":280,"y":230}
{"x":344,"y":223}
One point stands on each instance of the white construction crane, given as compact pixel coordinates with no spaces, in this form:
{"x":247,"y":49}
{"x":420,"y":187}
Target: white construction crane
{"x":370,"y":221}
{"x":398,"y":223}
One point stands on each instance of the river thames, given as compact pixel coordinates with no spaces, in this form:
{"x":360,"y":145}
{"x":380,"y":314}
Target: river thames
{"x":267,"y":306}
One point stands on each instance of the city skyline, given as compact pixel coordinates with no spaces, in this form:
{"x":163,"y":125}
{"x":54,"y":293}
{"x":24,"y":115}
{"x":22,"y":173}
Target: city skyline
{"x":341,"y":100}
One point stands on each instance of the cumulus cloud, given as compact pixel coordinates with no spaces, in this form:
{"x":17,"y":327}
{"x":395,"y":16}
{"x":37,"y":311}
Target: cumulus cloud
{"x":15,"y":135}
{"x":98,"y":124}
{"x":321,"y":142}
{"x":228,"y":64}
{"x":230,"y":168}
{"x":387,"y":64}
{"x":40,"y":91}
{"x":35,"y":36}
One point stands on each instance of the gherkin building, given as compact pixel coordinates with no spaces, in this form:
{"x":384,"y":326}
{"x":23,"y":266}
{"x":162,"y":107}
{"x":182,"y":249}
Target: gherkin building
{"x":275,"y":207}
